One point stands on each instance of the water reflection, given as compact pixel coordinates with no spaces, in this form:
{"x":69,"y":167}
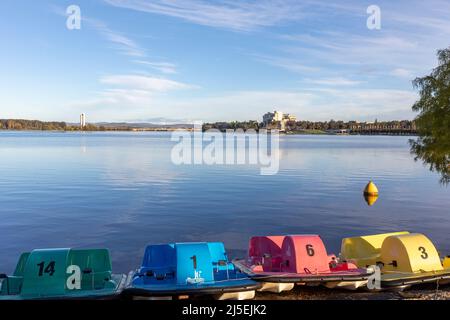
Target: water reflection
{"x":433,"y":145}
{"x":124,"y":193}
{"x":370,"y":199}
{"x":434,"y":152}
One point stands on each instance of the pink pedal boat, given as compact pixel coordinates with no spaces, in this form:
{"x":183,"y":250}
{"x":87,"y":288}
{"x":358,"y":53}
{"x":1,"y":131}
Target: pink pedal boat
{"x":280,"y":262}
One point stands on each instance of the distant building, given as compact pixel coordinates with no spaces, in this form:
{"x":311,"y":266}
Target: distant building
{"x":277,"y":120}
{"x":289,"y":117}
{"x":82,"y":120}
{"x":270,"y":117}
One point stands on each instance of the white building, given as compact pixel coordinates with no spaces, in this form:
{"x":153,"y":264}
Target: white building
{"x":270,"y":117}
{"x":82,"y":120}
{"x":277,"y":119}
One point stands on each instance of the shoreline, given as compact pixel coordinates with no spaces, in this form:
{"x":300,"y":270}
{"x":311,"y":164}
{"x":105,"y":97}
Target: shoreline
{"x":172,"y":130}
{"x":419,"y":292}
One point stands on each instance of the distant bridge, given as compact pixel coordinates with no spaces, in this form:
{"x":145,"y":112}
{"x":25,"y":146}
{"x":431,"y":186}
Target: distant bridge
{"x":392,"y":132}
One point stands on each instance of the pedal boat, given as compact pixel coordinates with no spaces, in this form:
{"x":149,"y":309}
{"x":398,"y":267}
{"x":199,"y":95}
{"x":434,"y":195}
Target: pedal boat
{"x":404,"y":258}
{"x":184,"y":270}
{"x":280,"y":262}
{"x":62,"y":274}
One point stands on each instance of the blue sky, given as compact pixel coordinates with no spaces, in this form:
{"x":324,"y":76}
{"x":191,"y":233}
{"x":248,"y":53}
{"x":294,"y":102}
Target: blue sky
{"x":198,"y":60}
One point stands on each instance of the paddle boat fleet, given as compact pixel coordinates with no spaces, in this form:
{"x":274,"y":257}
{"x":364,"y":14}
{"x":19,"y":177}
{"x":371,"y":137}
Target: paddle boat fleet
{"x":187,"y":270}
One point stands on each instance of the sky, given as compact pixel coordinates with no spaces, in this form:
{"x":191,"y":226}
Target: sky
{"x":169,"y":61}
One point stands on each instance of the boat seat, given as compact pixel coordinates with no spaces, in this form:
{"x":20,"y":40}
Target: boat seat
{"x":20,"y":267}
{"x":44,"y":272}
{"x":266,"y":252}
{"x":159,"y":262}
{"x":410,"y":253}
{"x":194,"y":261}
{"x":95,"y":265}
{"x":304,"y":254}
{"x":365,"y":251}
{"x":10,"y":285}
{"x":219,"y":257}
{"x":157,"y":273}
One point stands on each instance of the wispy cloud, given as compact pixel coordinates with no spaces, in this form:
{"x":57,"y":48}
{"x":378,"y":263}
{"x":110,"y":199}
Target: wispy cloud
{"x":311,"y":104}
{"x":234,"y":15}
{"x":164,"y":67}
{"x":401,"y":73}
{"x":123,"y":43}
{"x":129,"y":47}
{"x":338,"y":81}
{"x":139,"y":82}
{"x":362,"y":57}
{"x":287,"y":63}
{"x":131,"y":91}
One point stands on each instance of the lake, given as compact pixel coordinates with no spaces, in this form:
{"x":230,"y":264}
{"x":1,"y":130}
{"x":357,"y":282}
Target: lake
{"x":122,"y":191}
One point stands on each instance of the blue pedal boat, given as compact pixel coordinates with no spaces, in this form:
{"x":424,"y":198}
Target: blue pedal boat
{"x":189,"y":269}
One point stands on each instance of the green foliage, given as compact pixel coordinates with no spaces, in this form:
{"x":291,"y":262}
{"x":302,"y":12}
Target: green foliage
{"x":20,"y":124}
{"x":222,"y":126}
{"x":433,"y":121}
{"x":316,"y":126}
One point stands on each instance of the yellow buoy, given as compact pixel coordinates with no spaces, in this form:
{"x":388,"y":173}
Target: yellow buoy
{"x":371,"y":189}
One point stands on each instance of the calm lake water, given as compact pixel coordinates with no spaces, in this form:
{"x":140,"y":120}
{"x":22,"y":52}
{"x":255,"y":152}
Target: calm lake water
{"x":121,"y":191}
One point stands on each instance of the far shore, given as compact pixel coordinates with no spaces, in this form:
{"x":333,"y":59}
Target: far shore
{"x":289,"y":133}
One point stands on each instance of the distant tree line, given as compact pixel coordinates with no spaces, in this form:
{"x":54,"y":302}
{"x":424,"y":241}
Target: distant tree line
{"x":290,"y":126}
{"x":222,"y":126}
{"x":299,"y":126}
{"x":21,"y":124}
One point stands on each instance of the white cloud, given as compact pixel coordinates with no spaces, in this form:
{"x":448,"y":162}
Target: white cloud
{"x":131,"y":91}
{"x":404,"y":48}
{"x":338,"y":81}
{"x":164,"y":67}
{"x":361,"y":104}
{"x":350,"y":49}
{"x":370,"y":58}
{"x":124,"y":44}
{"x":234,"y":15}
{"x":146,"y":83}
{"x":128,"y":46}
{"x":317,"y":104}
{"x":307,"y":104}
{"x":289,"y":64}
{"x":402,"y":73}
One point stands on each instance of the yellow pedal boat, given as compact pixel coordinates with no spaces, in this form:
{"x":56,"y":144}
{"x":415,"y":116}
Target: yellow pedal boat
{"x":404,"y":258}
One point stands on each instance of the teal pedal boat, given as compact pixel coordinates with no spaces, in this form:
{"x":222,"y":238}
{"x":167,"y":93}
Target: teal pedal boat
{"x":62,"y":274}
{"x":185,"y":270}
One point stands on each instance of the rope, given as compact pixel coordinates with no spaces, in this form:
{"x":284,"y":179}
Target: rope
{"x":437,"y":290}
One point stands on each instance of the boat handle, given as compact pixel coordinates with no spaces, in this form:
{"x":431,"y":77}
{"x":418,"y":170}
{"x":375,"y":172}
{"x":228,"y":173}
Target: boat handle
{"x":222,"y":263}
{"x":393,"y":263}
{"x":380,"y":263}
